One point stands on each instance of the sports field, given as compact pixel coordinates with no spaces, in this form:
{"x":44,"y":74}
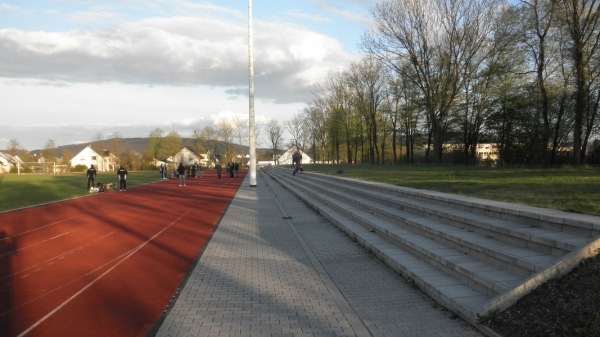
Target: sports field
{"x":566,"y":189}
{"x":106,"y":264}
{"x":18,"y":191}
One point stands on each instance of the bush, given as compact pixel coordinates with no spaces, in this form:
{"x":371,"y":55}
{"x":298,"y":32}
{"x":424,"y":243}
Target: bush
{"x":79,"y":168}
{"x":23,"y":170}
{"x":149,"y":167}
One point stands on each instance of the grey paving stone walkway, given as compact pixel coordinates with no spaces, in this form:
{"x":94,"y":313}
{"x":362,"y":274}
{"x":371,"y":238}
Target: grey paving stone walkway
{"x":276,"y":268}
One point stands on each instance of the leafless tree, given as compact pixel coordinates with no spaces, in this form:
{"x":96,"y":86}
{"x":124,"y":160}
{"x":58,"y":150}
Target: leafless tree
{"x":275,"y":134}
{"x":50,"y":152}
{"x":316,"y":116}
{"x":296,"y":127}
{"x":539,"y":33}
{"x":367,"y":80}
{"x":225,"y":133}
{"x":197,"y":142}
{"x":115,"y":146}
{"x":582,"y":19}
{"x":341,"y":102}
{"x":13,"y":146}
{"x":240,"y":130}
{"x":444,"y":42}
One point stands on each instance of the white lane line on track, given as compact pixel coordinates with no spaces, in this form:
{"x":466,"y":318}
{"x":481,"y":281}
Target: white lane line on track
{"x":122,"y":258}
{"x":51,"y":260}
{"x":38,"y":228}
{"x":35,"y":244}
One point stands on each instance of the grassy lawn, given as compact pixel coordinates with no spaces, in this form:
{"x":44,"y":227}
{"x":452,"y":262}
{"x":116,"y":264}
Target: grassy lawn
{"x":17,"y":191}
{"x":567,"y":189}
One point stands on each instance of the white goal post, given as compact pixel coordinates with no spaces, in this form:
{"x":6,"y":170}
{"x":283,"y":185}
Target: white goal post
{"x":40,"y":168}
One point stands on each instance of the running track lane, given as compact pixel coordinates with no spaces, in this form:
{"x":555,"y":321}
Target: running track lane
{"x":108,"y":264}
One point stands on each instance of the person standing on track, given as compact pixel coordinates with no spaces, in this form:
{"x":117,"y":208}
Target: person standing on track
{"x":163,"y":172}
{"x":219,"y":168}
{"x":122,"y":174}
{"x":91,"y":176}
{"x":181,"y":173}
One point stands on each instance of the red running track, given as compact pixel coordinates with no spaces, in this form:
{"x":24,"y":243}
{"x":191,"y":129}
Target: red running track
{"x":108,"y":264}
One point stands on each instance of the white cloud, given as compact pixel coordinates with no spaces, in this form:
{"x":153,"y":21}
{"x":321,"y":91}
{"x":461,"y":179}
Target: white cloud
{"x":179,"y":51}
{"x":7,"y":8}
{"x":130,"y":66}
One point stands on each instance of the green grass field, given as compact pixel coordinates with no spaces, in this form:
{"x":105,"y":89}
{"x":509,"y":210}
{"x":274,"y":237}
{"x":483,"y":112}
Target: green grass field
{"x":18,"y":191}
{"x":567,"y":189}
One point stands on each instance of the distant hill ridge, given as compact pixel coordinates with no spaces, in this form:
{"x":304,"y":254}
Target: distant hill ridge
{"x":139,"y":145}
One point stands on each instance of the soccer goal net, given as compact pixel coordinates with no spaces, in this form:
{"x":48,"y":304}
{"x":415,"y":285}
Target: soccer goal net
{"x":40,"y":168}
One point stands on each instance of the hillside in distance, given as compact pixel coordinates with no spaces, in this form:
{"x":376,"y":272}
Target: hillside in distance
{"x":139,"y":145}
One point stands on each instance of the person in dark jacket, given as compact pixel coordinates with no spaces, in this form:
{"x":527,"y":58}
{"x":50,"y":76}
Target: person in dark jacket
{"x":122,"y":174}
{"x":181,"y":174}
{"x":297,"y":161}
{"x":91,"y":176}
{"x":219,"y":169}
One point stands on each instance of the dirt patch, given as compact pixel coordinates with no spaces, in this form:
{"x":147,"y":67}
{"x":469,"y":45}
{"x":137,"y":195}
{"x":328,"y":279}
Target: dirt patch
{"x":563,"y":307}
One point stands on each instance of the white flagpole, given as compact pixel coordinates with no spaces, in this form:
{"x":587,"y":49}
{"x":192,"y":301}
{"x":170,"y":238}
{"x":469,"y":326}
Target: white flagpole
{"x":251,"y":118}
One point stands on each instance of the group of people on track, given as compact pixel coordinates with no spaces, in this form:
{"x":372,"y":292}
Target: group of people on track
{"x":181,"y":172}
{"x":232,"y":170}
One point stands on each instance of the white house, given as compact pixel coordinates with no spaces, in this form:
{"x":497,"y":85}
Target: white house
{"x":286,"y":158}
{"x":188,"y":158}
{"x":7,"y":161}
{"x":87,"y":157}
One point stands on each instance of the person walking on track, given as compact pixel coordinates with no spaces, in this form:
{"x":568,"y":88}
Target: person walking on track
{"x":122,"y":174}
{"x":219,"y":169}
{"x":181,"y":174}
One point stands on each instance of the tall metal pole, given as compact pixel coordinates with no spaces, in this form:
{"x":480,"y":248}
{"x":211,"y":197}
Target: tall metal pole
{"x":251,"y":117}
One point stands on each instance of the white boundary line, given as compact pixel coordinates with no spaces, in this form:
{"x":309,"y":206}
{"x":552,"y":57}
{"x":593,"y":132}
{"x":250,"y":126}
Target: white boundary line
{"x":38,"y":228}
{"x":55,"y":310}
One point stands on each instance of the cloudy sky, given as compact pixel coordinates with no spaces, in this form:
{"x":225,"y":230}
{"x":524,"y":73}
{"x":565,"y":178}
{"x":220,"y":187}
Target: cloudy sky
{"x":71,"y":70}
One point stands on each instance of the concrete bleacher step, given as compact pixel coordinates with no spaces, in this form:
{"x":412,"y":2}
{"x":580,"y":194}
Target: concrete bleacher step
{"x":470,"y":255}
{"x":522,"y":260}
{"x":515,"y":232}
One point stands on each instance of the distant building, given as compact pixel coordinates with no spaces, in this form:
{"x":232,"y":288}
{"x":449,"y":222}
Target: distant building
{"x":487,"y":151}
{"x":484,"y":151}
{"x":189,"y":157}
{"x":87,"y":157}
{"x":286,"y":158}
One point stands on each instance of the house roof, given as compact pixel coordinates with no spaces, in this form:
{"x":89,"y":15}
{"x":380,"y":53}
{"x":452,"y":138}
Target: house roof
{"x":11,"y":159}
{"x":287,"y":156}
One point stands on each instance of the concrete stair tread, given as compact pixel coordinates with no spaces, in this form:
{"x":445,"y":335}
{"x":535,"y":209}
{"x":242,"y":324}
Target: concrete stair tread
{"x":569,"y":240}
{"x":426,"y":247}
{"x":582,"y":221}
{"x":470,"y":256}
{"x":529,"y":259}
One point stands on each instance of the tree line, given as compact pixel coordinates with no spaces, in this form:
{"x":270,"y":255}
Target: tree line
{"x":222,"y":140}
{"x":520,"y":75}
